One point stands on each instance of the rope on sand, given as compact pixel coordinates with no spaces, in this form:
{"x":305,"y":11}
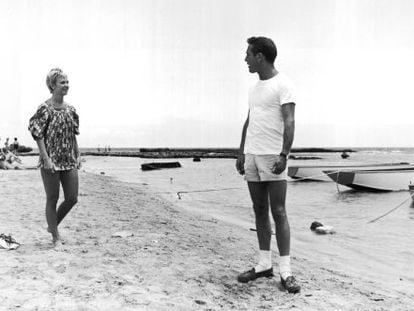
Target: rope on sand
{"x":236,"y":188}
{"x":391,"y":210}
{"x":206,"y":190}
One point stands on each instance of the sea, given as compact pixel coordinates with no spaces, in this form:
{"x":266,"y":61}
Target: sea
{"x":379,"y":250}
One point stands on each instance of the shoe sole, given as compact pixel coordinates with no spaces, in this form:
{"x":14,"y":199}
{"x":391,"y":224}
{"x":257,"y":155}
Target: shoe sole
{"x":269,"y":276}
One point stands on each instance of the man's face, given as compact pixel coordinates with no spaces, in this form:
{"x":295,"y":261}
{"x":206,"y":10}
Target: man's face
{"x":251,"y":60}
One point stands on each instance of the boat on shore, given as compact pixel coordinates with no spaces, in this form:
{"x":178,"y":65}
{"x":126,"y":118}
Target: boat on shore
{"x":316,"y":172}
{"x":392,"y":178}
{"x":159,"y":165}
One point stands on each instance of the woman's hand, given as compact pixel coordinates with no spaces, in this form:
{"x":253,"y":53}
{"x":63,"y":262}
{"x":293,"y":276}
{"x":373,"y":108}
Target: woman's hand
{"x":48,"y":165}
{"x":78,"y":162}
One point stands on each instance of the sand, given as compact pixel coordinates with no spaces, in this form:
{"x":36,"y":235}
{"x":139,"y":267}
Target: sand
{"x":164,"y":259}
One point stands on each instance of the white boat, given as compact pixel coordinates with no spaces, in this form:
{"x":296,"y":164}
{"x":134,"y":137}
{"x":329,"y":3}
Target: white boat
{"x":393,"y":178}
{"x":316,"y":172}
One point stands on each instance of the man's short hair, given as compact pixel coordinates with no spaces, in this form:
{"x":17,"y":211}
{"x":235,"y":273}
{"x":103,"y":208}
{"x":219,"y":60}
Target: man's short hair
{"x":265,"y":46}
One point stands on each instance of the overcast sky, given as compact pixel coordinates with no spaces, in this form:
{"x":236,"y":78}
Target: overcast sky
{"x":171,"y":73}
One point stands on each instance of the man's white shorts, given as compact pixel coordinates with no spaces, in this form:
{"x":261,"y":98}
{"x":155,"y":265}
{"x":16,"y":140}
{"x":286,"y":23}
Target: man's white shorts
{"x":259,"y":168}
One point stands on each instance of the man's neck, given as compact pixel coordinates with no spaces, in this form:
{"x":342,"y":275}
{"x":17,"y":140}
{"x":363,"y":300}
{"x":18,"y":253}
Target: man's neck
{"x":267,"y":73}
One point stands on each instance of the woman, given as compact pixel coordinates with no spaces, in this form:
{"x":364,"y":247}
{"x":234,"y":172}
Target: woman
{"x":54,"y":126}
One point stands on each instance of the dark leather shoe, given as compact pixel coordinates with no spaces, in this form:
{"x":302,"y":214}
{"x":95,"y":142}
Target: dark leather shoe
{"x":290,"y":284}
{"x":252,"y":275}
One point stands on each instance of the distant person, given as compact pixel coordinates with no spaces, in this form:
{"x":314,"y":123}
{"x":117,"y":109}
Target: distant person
{"x":266,"y":141}
{"x":2,"y":160}
{"x":15,"y":144}
{"x":6,"y":144}
{"x":344,"y":155}
{"x":11,"y":161}
{"x":54,"y":126}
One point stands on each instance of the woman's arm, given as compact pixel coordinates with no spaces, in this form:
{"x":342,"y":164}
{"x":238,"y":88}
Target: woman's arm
{"x":77,"y":153}
{"x":47,"y":162}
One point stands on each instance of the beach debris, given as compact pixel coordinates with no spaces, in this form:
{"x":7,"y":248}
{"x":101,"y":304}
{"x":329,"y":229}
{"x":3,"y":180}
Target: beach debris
{"x":102,"y":173}
{"x":255,"y":230}
{"x":200,"y":302}
{"x":196,"y":159}
{"x":8,"y":242}
{"x":322,"y":229}
{"x":122,"y":234}
{"x":315,"y":224}
{"x":325,"y":230}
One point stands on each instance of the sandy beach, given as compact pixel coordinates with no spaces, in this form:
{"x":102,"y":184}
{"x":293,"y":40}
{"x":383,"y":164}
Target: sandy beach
{"x":173,"y":260}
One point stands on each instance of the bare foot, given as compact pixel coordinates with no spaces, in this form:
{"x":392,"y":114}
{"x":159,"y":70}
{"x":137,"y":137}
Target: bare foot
{"x":58,"y":246}
{"x":59,"y":236}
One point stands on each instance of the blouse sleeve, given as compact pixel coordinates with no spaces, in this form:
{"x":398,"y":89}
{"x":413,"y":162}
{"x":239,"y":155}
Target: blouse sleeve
{"x":39,"y":122}
{"x":75,"y":118}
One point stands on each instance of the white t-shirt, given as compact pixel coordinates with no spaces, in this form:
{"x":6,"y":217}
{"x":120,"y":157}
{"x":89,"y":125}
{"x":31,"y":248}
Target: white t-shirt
{"x":265,"y":131}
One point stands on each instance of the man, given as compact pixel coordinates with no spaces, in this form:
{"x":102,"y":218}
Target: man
{"x":15,"y":144}
{"x":6,"y":144}
{"x":267,"y":137}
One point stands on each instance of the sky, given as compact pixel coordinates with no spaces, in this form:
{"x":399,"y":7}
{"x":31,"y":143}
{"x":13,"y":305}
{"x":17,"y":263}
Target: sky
{"x":171,"y":73}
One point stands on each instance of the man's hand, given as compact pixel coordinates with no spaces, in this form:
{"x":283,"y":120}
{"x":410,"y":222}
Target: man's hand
{"x":240,"y":164}
{"x":280,"y":165}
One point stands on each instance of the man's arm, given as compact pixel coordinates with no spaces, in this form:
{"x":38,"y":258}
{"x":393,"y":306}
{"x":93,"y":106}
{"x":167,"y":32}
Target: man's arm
{"x":240,"y":157}
{"x":243,"y":137}
{"x":288,"y":114}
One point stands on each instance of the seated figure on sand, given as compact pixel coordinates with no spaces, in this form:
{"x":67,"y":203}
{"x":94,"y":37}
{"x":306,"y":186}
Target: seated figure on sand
{"x":9,"y":161}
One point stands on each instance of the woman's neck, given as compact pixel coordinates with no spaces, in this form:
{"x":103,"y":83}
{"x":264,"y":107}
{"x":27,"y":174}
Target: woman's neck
{"x":57,"y":100}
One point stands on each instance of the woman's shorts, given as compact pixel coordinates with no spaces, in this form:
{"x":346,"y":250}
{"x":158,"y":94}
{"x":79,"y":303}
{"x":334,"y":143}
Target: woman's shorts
{"x":259,"y":168}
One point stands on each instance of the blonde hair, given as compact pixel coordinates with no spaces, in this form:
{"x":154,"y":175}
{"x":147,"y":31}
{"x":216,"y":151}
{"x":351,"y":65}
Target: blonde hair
{"x":52,"y":77}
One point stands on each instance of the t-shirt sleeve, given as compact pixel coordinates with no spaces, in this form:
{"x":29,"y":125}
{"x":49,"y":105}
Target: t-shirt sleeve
{"x":38,"y":122}
{"x":286,"y":92}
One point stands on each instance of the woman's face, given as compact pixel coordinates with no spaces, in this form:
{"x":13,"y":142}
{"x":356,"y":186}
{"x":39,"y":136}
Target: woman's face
{"x":62,"y":86}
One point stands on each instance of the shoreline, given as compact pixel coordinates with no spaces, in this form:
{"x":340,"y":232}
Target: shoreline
{"x":176,"y":259}
{"x":173,"y":153}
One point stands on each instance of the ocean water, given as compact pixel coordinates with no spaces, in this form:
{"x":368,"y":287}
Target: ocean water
{"x":382,"y":251}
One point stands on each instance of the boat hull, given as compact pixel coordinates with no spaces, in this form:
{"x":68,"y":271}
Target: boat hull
{"x":316,"y":173}
{"x":159,"y":165}
{"x":310,"y":173}
{"x":375,"y":179}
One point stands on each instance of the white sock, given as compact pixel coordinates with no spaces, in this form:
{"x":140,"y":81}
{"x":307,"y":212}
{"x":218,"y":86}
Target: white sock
{"x":265,"y":261}
{"x":284,"y":267}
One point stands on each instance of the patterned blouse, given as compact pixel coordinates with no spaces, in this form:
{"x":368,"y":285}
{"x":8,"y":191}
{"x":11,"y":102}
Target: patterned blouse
{"x":58,"y":128}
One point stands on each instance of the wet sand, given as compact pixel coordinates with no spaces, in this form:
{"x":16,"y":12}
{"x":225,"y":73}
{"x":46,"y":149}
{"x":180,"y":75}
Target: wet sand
{"x":175,"y":259}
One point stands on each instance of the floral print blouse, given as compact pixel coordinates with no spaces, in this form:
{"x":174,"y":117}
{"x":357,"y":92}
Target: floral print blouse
{"x":58,"y":128}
